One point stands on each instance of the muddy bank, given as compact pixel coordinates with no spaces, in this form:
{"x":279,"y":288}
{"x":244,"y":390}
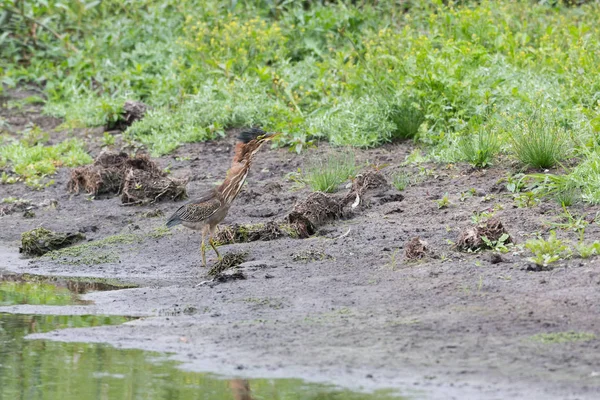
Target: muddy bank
{"x":341,"y":306}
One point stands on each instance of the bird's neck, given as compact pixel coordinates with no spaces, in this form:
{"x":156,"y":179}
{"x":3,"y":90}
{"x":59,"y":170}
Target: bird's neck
{"x":236,"y":176}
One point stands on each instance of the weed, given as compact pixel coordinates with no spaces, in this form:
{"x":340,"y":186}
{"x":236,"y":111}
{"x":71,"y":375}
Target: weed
{"x":499,"y":245}
{"x":586,"y":250}
{"x":444,"y":202}
{"x":393,"y":260}
{"x":547,"y":251}
{"x":401,"y":180}
{"x":526,"y":199}
{"x":107,"y":139}
{"x":325,"y":174}
{"x":514,"y":183}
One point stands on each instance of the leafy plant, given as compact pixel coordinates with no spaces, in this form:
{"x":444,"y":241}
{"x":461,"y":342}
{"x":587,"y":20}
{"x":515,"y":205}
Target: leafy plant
{"x":497,"y":245}
{"x":548,"y":251}
{"x":444,"y":202}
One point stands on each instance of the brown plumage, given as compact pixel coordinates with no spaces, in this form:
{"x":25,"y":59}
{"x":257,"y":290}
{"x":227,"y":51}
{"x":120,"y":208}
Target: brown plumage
{"x":207,"y":211}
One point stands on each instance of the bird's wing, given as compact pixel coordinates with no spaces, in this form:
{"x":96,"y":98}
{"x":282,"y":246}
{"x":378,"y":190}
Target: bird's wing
{"x":197,"y":210}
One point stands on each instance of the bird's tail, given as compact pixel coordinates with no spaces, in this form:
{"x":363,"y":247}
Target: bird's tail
{"x":174,"y":220}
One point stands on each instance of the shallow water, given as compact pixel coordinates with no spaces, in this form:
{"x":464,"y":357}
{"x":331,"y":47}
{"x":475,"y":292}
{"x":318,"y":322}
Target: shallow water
{"x":48,"y":370}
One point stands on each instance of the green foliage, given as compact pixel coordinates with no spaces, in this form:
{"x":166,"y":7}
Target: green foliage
{"x":586,"y":250}
{"x":547,"y":251}
{"x":444,"y":202}
{"x":354,"y":74}
{"x":31,"y":161}
{"x":499,"y":245}
{"x":325,"y":174}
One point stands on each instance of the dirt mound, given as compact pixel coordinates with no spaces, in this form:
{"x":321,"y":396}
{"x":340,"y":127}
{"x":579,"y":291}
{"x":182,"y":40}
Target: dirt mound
{"x":320,"y":208}
{"x":483,"y":236}
{"x":317,"y":209}
{"x":41,"y":241}
{"x":138,"y":179}
{"x":416,"y":249}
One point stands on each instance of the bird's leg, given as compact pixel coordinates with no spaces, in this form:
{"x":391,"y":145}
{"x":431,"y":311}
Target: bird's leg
{"x":212,"y":243}
{"x":203,"y":250}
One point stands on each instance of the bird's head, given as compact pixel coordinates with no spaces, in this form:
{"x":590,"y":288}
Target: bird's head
{"x":250,"y":141}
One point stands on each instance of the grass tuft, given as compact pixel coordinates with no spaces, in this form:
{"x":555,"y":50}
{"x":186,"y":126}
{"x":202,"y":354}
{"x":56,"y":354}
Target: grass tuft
{"x":326,"y":174}
{"x":479,"y":149}
{"x":539,"y":141}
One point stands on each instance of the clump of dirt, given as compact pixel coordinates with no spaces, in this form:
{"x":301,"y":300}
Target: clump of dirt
{"x":472,"y":238}
{"x":252,"y":233}
{"x":320,"y":208}
{"x":132,"y":111}
{"x":40,"y":241}
{"x":137,"y":178}
{"x":228,"y":261}
{"x":317,"y":209}
{"x":416,"y":249}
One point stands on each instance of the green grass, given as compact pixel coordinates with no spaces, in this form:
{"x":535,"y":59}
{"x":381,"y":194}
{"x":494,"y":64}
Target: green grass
{"x":325,"y":174}
{"x":401,"y":180}
{"x":359,"y":74}
{"x":480,"y":148}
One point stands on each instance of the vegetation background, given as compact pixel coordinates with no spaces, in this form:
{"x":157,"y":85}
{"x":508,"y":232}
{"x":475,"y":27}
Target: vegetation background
{"x":475,"y":81}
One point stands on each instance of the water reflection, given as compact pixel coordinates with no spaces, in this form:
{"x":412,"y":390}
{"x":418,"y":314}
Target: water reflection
{"x":49,"y":290}
{"x":46,"y":370}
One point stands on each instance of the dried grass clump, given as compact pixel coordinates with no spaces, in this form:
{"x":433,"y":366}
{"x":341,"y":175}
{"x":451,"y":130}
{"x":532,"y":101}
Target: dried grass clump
{"x":471,"y":238}
{"x":138,"y":179}
{"x":251,"y":233}
{"x":142,"y":187}
{"x":416,"y":249}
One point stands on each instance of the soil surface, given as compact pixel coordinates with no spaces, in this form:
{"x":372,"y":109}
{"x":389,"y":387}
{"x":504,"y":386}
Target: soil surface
{"x":343,"y":306}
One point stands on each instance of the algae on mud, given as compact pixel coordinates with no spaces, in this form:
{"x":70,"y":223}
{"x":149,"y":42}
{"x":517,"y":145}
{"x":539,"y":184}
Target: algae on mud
{"x":40,"y":241}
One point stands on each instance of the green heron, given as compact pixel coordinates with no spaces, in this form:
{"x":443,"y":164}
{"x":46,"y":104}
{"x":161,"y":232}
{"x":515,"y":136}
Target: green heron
{"x":208,"y":210}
